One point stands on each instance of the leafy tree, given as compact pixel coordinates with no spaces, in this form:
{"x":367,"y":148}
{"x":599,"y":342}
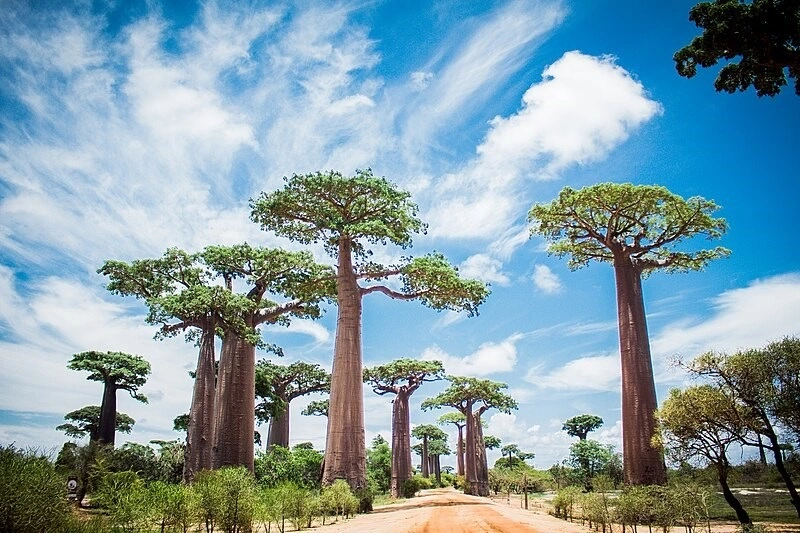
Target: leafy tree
{"x":490,"y":442}
{"x":437,"y":448}
{"x":182,"y":295}
{"x":701,"y":422}
{"x":347,"y":215}
{"x":636,"y":228}
{"x":379,"y":465}
{"x":589,"y":458}
{"x":459,"y":421}
{"x":277,"y":386}
{"x":316,"y":408}
{"x":516,"y":457}
{"x":117,"y":371}
{"x":402,"y":378}
{"x":86,"y":421}
{"x":580,"y":426}
{"x":765,"y":34}
{"x":427,"y":433}
{"x":472,"y":397}
{"x":757,"y":379}
{"x":300,"y":465}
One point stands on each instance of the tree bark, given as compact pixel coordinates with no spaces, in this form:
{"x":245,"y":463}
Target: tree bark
{"x":481,"y":464}
{"x":437,"y":468}
{"x":401,"y":444}
{"x":279,"y":429}
{"x":722,"y":476}
{"x":107,"y":424}
{"x":471,"y":480}
{"x":234,"y":421}
{"x":199,"y":453}
{"x":643,"y":464}
{"x":345,"y":447}
{"x":460,"y":451}
{"x":426,"y":470}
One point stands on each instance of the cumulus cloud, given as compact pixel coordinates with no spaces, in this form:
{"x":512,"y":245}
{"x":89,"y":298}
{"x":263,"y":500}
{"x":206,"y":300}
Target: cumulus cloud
{"x":596,"y":372}
{"x":546,"y":280}
{"x":484,"y":268}
{"x":584,"y":107}
{"x":489,"y":358}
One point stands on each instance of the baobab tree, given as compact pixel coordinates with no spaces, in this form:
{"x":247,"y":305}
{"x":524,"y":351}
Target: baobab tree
{"x":636,"y":228}
{"x":292,"y":277}
{"x":277,"y":386}
{"x":427,"y":433}
{"x":116,"y":371}
{"x":182,"y":295}
{"x":580,"y":426}
{"x":472,"y":397}
{"x":316,"y":408}
{"x":437,"y":448}
{"x":459,"y":421}
{"x":86,"y":421}
{"x":402,"y":378}
{"x":512,"y":457}
{"x":347,"y":215}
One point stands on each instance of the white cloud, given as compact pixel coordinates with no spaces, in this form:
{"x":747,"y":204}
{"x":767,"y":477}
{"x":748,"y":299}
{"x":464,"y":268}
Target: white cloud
{"x":747,"y":317}
{"x":489,"y":358}
{"x":420,"y":80}
{"x":546,"y":280}
{"x":484,"y":268}
{"x":315,"y":330}
{"x":448,"y":318}
{"x":584,"y":107}
{"x":598,"y":372}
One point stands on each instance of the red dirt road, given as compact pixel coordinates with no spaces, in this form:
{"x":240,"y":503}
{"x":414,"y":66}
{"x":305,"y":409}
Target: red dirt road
{"x":446,"y":511}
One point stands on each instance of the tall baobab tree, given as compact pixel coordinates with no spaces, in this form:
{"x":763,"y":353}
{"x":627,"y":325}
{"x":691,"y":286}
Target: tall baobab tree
{"x":347,"y":215}
{"x":116,"y":371}
{"x":402,"y":378}
{"x":86,"y":421}
{"x":636,"y":228}
{"x":459,"y":421}
{"x":427,"y":433}
{"x":472,"y":397}
{"x":277,"y":386}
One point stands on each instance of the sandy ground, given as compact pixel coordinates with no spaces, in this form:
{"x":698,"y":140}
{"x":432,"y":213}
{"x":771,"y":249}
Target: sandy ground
{"x":450,"y":511}
{"x":447,"y":510}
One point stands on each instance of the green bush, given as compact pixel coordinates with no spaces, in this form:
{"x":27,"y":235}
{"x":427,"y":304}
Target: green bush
{"x":32,"y":493}
{"x":565,"y":500}
{"x":124,"y":496}
{"x":415,"y":484}
{"x":173,"y":506}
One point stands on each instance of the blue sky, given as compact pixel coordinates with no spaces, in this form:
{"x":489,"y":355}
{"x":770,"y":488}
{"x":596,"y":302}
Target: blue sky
{"x":126,"y":128}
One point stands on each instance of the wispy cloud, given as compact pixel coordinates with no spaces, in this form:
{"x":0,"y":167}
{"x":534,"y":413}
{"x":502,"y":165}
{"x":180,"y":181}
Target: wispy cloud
{"x":546,"y":280}
{"x":484,"y":268}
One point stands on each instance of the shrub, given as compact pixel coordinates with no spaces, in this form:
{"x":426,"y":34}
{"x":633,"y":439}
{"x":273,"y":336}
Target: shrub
{"x":565,"y":500}
{"x":124,"y":495}
{"x":32,"y":493}
{"x":172,"y":506}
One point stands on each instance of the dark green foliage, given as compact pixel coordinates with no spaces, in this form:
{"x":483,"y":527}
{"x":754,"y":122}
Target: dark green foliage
{"x":765,"y":34}
{"x":162,"y":464}
{"x":379,"y":465}
{"x":32,"y":493}
{"x":300,"y":465}
{"x":579,"y":426}
{"x":86,"y":421}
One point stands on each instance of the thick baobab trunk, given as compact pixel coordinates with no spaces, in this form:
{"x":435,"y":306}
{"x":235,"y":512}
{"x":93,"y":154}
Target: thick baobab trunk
{"x":234,"y":421}
{"x":643,"y":464}
{"x":401,"y":444}
{"x":426,"y":465}
{"x":730,"y":498}
{"x":481,"y":464}
{"x":107,"y":424}
{"x":470,"y":470}
{"x":345,"y":448}
{"x":199,"y":453}
{"x":437,"y":469}
{"x":460,"y":451}
{"x":279,"y":429}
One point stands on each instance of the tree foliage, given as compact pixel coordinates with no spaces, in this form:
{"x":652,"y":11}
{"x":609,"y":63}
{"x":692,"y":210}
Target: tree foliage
{"x":580,"y":426}
{"x":86,"y":421}
{"x":764,"y":34}
{"x":277,"y":385}
{"x":644,"y":223}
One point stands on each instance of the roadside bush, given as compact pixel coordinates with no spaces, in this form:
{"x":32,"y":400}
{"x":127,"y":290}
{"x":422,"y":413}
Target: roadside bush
{"x":124,"y":496}
{"x":173,"y":506}
{"x":238,"y":499}
{"x":209,"y":494}
{"x":565,"y":500}
{"x":32,"y":493}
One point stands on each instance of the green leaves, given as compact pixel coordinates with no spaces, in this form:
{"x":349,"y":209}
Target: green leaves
{"x":122,"y":370}
{"x":326,"y":206}
{"x":468,"y":390}
{"x":407,"y":373}
{"x":764,"y":33}
{"x":437,"y":284}
{"x":640,"y":223}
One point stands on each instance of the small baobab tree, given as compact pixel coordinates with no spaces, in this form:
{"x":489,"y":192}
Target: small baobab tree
{"x":402,"y":378}
{"x":459,"y":421}
{"x":116,"y":371}
{"x":580,"y":426}
{"x":638,"y":229}
{"x":427,"y":433}
{"x":277,"y":386}
{"x":472,"y":397}
{"x":86,"y":422}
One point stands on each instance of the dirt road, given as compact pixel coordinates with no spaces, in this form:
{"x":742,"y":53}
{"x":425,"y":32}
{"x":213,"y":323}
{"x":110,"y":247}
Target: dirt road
{"x":446,"y":510}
